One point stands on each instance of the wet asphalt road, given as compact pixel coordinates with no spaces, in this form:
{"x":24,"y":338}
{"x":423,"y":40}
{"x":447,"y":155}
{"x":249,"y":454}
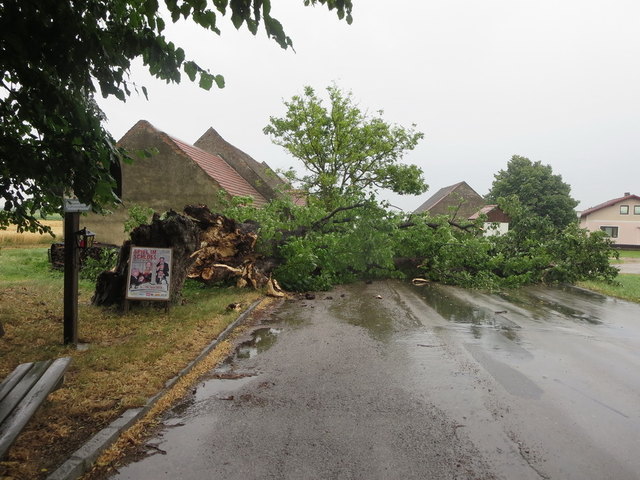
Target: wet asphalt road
{"x":426,"y":382}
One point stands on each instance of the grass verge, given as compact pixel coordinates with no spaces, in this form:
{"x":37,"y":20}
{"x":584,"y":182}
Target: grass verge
{"x":627,"y":287}
{"x":129,"y":358}
{"x":626,"y":255}
{"x":629,"y":253}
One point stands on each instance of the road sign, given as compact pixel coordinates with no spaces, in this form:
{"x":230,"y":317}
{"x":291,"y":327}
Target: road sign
{"x":72,"y":205}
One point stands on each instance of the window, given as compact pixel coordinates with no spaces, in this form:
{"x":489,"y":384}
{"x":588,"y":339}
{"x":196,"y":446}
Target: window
{"x":636,"y":209}
{"x":610,"y":231}
{"x":624,"y":209}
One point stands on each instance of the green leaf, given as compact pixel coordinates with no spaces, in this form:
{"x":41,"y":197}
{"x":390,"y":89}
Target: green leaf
{"x":52,"y":130}
{"x":206,"y":80}
{"x":191,"y":69}
{"x":237,"y":20}
{"x":219,"y":79}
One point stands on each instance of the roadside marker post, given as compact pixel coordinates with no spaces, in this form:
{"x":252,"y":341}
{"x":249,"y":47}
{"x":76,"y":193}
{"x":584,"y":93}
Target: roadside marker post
{"x":72,"y":209}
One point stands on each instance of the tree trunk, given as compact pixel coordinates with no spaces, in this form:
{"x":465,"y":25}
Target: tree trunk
{"x":174,"y":231}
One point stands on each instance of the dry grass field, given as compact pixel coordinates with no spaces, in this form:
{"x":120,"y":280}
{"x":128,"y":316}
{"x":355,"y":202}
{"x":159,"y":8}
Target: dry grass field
{"x":11,"y":238}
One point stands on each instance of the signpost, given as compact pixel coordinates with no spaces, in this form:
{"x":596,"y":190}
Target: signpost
{"x":72,"y":210}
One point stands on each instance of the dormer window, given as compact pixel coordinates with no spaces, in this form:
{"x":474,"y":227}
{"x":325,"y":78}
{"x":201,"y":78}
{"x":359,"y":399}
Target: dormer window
{"x":624,"y":209}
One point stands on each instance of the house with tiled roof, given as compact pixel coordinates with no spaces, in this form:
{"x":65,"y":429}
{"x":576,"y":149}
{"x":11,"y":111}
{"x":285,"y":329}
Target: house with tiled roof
{"x":177,"y":174}
{"x":458,"y":201}
{"x":496,"y":222}
{"x":619,"y":218}
{"x":258,"y":174}
{"x":461,"y":202}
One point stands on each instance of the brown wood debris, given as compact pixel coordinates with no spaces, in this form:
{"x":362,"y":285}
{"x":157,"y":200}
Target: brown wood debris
{"x":227,"y":252}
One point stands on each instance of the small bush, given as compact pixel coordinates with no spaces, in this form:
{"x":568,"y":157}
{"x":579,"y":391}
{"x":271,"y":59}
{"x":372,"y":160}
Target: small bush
{"x":92,"y":267}
{"x":136,"y":216}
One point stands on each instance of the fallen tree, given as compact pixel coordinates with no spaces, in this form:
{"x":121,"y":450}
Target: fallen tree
{"x":317,"y":248}
{"x":308,"y":248}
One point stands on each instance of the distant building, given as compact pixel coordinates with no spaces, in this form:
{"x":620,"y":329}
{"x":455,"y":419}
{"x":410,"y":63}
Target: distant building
{"x":619,"y":218}
{"x":178,"y":174}
{"x":496,"y":223}
{"x":458,"y":201}
{"x":461,"y":202}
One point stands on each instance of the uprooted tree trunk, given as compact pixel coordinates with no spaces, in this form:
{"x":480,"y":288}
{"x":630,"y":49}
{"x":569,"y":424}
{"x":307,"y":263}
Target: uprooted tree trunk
{"x":206,"y":246}
{"x":174,"y":231}
{"x":227,"y":252}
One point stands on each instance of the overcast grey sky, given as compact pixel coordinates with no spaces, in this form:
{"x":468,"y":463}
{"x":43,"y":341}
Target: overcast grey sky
{"x":553,"y":80}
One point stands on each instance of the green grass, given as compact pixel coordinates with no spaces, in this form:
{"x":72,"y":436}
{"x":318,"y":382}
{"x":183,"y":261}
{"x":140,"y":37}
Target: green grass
{"x":21,"y":265}
{"x":629,"y":253}
{"x":625,"y":255}
{"x":627,"y":287}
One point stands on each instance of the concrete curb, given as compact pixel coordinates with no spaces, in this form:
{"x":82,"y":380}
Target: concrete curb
{"x":83,"y":459}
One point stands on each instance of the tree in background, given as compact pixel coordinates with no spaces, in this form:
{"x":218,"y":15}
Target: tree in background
{"x":345,"y":152}
{"x":538,"y":190}
{"x":55,"y":56}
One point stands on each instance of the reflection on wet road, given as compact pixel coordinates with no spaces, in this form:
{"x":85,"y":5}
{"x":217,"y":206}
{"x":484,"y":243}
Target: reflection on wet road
{"x":558,"y":370}
{"x":390,"y":380}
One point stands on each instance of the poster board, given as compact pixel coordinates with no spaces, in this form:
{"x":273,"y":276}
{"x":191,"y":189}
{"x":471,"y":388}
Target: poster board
{"x":149,"y":273}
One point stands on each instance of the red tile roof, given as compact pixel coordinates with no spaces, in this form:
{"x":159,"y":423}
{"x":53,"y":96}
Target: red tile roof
{"x":483,"y":211}
{"x":608,"y":203}
{"x":221,"y":172}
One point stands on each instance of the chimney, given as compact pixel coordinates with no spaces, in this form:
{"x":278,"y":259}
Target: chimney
{"x":626,"y":194}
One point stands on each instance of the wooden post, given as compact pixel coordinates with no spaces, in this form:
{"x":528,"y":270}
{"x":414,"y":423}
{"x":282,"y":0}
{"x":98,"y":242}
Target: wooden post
{"x":71,"y":267}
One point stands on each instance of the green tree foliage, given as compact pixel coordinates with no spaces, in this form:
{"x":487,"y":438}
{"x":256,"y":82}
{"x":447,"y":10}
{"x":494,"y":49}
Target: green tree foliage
{"x":534,"y":252}
{"x":56,"y":55}
{"x":315,"y":248}
{"x":345,"y":152}
{"x":538,"y":189}
{"x":137,"y":215}
{"x":92,"y":267}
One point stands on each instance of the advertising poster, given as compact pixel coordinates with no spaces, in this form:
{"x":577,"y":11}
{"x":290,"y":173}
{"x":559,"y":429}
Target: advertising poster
{"x":149,"y":273}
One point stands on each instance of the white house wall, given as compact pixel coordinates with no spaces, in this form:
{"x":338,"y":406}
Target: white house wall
{"x":495,"y":228}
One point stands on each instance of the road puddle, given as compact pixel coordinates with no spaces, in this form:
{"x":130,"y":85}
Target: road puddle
{"x":366,"y":314}
{"x":261,"y":340}
{"x":454,"y":309}
{"x":468,"y":312}
{"x":221,"y":389}
{"x":228,"y":377}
